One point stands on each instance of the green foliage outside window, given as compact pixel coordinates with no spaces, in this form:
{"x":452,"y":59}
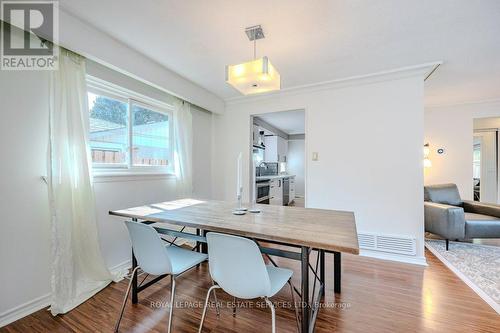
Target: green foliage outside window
{"x":116,"y":112}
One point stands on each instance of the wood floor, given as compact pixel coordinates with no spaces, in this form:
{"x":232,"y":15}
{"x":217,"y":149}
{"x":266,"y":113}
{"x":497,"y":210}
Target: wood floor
{"x":298,"y":202}
{"x":377,"y":296}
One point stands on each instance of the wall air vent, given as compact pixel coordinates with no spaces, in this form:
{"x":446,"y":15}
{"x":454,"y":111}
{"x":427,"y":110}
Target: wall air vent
{"x":388,"y":243}
{"x":367,"y":241}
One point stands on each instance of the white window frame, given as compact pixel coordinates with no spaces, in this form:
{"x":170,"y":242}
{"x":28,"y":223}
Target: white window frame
{"x":107,"y":89}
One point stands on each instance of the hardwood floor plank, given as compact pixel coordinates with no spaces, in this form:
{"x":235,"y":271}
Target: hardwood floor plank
{"x":381,"y":296}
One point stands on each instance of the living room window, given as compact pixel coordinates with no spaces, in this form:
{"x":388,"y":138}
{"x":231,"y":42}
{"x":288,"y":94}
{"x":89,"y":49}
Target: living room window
{"x":129,"y":133}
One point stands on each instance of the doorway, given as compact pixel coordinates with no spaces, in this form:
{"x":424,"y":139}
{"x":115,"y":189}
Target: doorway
{"x":277,"y":160}
{"x":485,"y":161}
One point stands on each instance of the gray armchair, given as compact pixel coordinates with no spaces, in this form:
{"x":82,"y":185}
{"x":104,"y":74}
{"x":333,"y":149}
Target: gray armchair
{"x":448,"y":216}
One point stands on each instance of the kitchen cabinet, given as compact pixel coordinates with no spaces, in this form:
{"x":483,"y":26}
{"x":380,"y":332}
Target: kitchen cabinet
{"x":255,"y":135}
{"x":276,"y":149}
{"x":276,"y":192}
{"x":271,"y":153}
{"x":291,"y":196}
{"x":282,"y":149}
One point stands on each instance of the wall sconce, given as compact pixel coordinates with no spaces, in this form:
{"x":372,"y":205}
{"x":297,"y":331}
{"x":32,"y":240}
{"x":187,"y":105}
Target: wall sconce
{"x":427,"y":161}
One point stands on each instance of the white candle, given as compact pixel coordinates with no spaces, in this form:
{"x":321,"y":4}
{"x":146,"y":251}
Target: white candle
{"x":239,"y":175}
{"x":254,"y":194}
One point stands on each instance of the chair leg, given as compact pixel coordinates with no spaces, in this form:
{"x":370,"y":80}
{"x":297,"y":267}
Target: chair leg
{"x":234,"y":306}
{"x":295,"y":306}
{"x":205,"y":307}
{"x":117,"y":325}
{"x":217,"y":310}
{"x":447,"y":244}
{"x":272,"y":314}
{"x":172,"y":294}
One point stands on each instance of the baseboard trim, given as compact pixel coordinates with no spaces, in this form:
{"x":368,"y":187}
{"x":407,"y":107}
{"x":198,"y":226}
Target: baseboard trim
{"x":466,"y":280}
{"x":41,"y":302}
{"x":24,"y":310}
{"x":394,"y":257}
{"x":118,"y":270}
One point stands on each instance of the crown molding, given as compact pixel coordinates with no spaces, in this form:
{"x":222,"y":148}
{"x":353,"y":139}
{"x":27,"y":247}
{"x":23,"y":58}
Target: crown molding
{"x":422,"y":70}
{"x":465,"y":103}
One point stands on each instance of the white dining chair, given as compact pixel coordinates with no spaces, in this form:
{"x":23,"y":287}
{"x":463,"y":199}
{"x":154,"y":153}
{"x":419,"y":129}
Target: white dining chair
{"x":156,"y":258}
{"x":237,"y":267}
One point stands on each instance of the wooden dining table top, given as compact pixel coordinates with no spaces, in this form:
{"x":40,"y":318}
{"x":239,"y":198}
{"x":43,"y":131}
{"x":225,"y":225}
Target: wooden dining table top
{"x":323,"y":229}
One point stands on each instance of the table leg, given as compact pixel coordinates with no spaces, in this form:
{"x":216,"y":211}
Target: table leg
{"x":322,"y":269}
{"x":337,"y":271}
{"x":204,"y":246}
{"x":135,"y":299}
{"x":305,"y":288}
{"x":135,"y":292}
{"x":198,"y":243}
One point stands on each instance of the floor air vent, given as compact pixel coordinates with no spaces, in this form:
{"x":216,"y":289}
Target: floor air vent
{"x":387,"y":243}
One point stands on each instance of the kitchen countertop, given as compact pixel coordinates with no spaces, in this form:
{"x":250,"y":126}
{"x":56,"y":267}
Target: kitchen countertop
{"x":274,"y":177}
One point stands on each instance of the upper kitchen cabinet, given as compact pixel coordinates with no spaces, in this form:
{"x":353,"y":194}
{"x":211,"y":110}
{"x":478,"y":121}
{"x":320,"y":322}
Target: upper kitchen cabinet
{"x":276,"y":149}
{"x":258,"y":136}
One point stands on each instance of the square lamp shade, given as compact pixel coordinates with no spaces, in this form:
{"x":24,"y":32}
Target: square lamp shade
{"x":253,"y":77}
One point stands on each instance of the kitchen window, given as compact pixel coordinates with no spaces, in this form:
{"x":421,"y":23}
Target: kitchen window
{"x":129,"y":133}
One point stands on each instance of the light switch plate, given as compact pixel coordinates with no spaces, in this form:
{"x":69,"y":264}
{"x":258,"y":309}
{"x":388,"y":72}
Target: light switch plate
{"x":315,"y":156}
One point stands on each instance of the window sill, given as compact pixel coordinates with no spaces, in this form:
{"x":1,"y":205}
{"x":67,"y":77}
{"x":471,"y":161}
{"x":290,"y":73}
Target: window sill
{"x":107,"y":176}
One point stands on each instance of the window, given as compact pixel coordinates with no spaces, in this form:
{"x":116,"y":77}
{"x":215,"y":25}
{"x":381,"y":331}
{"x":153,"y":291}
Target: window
{"x":128,"y":131}
{"x":108,"y":130}
{"x":150,"y":137}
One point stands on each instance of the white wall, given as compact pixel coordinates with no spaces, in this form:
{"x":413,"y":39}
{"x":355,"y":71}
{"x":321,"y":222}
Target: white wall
{"x":296,"y":163}
{"x":202,"y":154}
{"x":25,"y":236}
{"x":369,"y":136}
{"x":25,"y":228}
{"x":451,"y":128}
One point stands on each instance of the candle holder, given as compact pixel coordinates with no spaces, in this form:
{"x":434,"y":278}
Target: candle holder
{"x":254,"y":209}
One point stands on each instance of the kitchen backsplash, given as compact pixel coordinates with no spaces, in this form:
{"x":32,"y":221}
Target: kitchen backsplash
{"x":267,"y":169}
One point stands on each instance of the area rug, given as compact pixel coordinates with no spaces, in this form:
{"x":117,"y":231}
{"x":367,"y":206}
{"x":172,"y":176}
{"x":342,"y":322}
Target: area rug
{"x":477,"y":265}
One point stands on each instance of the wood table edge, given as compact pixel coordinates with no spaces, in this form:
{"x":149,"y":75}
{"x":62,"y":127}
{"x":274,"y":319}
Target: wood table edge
{"x":340,"y":248}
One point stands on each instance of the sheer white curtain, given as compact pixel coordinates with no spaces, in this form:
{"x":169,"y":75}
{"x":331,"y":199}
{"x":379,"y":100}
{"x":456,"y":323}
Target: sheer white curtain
{"x":183,"y":155}
{"x":78,"y":269}
{"x":183,"y":151}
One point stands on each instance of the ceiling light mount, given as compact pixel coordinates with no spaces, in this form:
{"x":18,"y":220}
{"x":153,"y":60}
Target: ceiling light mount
{"x":255,"y":33}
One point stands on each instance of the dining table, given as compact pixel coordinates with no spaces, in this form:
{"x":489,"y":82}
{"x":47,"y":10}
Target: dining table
{"x":280,"y":231}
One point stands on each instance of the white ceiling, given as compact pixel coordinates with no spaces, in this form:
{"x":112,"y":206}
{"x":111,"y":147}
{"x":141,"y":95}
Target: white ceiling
{"x":290,"y":122}
{"x":314,"y":41}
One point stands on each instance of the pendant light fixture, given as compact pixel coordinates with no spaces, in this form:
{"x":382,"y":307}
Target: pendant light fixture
{"x":255,"y":76}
